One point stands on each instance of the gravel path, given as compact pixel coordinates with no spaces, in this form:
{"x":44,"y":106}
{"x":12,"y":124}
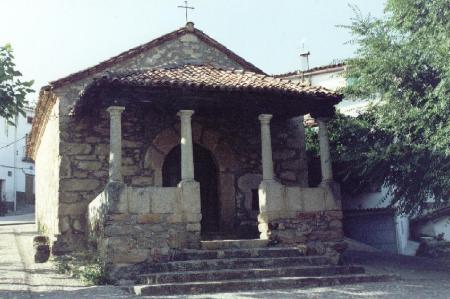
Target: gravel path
{"x":20,"y":277}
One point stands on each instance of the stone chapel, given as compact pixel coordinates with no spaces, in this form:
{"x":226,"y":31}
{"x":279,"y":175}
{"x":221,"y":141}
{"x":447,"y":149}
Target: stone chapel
{"x":177,"y":143}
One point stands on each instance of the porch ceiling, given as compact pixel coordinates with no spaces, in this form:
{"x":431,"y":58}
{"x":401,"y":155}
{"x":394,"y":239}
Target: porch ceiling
{"x":207,"y":89}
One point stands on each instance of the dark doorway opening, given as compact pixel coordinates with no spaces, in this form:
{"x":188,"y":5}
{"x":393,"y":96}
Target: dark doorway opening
{"x":206,"y":173}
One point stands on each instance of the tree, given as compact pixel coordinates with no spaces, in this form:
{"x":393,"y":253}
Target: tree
{"x":13,"y":91}
{"x":402,"y":63}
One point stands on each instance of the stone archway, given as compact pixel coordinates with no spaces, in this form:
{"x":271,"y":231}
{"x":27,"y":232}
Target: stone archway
{"x":224,"y":156}
{"x":207,"y":174}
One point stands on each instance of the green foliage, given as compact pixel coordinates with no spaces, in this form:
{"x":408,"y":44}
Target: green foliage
{"x":12,"y":90}
{"x":87,"y":266}
{"x":402,"y":63}
{"x":357,"y":146}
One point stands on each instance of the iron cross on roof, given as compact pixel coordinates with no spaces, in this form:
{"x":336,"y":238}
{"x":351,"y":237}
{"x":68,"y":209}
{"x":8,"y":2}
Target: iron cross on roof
{"x":186,"y":7}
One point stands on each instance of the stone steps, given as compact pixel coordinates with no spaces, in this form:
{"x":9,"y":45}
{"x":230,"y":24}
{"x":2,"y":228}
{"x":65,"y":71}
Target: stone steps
{"x":254,"y":284}
{"x":238,"y":263}
{"x":193,"y":254}
{"x":254,"y":273}
{"x":229,"y":244}
{"x":244,"y":265}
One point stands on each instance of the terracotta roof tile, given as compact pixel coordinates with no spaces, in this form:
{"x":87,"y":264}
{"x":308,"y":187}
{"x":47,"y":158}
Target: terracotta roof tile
{"x":312,"y":70}
{"x":209,"y":77}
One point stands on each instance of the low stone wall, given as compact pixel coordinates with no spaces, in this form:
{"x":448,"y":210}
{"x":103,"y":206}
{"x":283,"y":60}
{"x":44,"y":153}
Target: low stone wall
{"x":133,"y":226}
{"x":295,"y":215}
{"x":434,"y":248}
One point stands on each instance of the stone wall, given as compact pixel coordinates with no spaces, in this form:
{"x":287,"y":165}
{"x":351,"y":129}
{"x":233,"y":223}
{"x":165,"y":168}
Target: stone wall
{"x":47,"y":181}
{"x":296,"y":215}
{"x":133,"y":226}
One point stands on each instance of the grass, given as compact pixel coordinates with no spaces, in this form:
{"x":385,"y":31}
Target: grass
{"x":86,"y":266}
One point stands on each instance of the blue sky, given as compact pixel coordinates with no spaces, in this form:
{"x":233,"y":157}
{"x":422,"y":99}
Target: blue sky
{"x":53,"y":38}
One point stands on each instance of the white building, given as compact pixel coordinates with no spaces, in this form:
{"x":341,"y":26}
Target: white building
{"x":368,"y":218}
{"x":16,"y":172}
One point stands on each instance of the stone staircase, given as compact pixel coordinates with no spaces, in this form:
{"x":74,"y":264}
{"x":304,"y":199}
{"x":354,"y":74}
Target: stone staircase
{"x":244,"y":265}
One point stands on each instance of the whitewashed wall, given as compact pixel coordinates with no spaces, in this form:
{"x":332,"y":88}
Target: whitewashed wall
{"x":8,"y":133}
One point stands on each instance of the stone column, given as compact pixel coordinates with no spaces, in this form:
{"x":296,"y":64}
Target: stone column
{"x":325,"y":158}
{"x":115,"y":144}
{"x":187,"y":155}
{"x":266,"y":147}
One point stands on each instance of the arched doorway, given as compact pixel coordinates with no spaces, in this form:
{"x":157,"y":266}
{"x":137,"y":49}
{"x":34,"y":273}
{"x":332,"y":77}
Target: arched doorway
{"x":206,"y":173}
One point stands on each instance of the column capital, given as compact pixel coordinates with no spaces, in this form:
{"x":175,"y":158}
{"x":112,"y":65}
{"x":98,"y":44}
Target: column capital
{"x":185,"y":113}
{"x":115,"y":109}
{"x":265,"y":118}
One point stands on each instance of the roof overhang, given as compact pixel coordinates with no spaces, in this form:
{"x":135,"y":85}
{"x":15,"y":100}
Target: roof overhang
{"x":207,"y":89}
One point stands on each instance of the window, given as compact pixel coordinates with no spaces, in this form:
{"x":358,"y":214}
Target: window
{"x":29,"y":119}
{"x":255,"y":200}
{"x":9,"y":173}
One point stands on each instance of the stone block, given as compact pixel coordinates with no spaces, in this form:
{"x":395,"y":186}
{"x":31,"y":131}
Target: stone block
{"x":102,"y":149}
{"x":190,"y":196}
{"x":313,"y":199}
{"x":93,"y":139}
{"x":131,"y":144}
{"x":288,"y":176}
{"x":163,"y":200}
{"x":193,"y":227}
{"x":86,"y":157}
{"x":166,"y":140}
{"x":294,"y":198}
{"x":130,"y":170}
{"x":283,"y":154}
{"x":175,"y":218}
{"x":69,"y":197}
{"x":75,"y":148}
{"x":130,"y":256}
{"x":78,"y":208}
{"x":193,"y":217}
{"x":80,"y":174}
{"x":65,"y":170}
{"x":271,"y":196}
{"x":141,"y":181}
{"x":79,"y":184}
{"x":336,"y":224}
{"x":119,"y":217}
{"x":139,"y":200}
{"x":148,"y":218}
{"x":89,"y":165}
